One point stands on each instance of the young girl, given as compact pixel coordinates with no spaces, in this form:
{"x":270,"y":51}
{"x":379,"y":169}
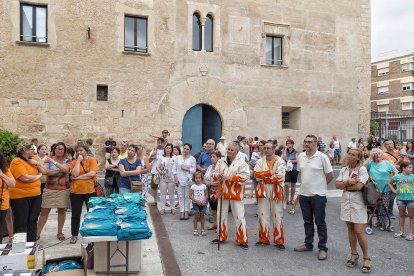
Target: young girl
{"x":405,"y":197}
{"x":331,"y":153}
{"x":198,"y":195}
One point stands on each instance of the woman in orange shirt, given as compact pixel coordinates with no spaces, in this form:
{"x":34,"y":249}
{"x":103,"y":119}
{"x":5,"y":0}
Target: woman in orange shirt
{"x":25,"y":198}
{"x":83,"y":171}
{"x":7,"y":181}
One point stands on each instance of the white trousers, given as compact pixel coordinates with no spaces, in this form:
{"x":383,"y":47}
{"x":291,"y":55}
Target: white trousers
{"x":167,"y":186}
{"x":237,"y":209}
{"x":183,"y":198}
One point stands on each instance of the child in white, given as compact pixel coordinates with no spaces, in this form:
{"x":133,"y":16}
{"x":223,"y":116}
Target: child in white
{"x":198,"y":195}
{"x":331,"y":152}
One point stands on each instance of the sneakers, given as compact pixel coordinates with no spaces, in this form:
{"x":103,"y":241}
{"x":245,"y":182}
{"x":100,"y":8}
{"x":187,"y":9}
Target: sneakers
{"x":280,"y":247}
{"x":322,"y":255}
{"x":399,"y":235}
{"x":410,"y":237}
{"x":302,"y":248}
{"x":244,"y":246}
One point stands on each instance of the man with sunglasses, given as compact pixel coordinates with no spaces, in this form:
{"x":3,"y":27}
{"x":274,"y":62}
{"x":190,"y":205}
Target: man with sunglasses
{"x":270,"y":173}
{"x":316,"y":173}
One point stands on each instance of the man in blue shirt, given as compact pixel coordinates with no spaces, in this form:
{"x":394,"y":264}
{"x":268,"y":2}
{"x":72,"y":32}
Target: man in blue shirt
{"x":205,"y":158}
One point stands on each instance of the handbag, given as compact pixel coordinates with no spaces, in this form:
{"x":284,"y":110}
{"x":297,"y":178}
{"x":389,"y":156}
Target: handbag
{"x":136,"y":185}
{"x":370,"y":193}
{"x":99,"y":191}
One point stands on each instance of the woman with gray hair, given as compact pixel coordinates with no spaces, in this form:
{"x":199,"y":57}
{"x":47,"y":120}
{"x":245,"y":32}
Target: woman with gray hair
{"x":381,"y":171}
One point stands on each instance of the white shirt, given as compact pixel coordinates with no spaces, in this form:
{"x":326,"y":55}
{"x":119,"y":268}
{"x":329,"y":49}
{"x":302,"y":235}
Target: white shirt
{"x":160,"y":153}
{"x":313,"y":172}
{"x":183,"y":176}
{"x":336,"y":144}
{"x":352,"y":145}
{"x":199,"y":191}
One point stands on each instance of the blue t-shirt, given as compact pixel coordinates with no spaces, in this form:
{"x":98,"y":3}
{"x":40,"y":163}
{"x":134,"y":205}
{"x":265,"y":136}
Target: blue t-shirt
{"x":124,"y":182}
{"x":380,"y":173}
{"x":404,"y":185}
{"x":204,"y":160}
{"x":411,"y":152}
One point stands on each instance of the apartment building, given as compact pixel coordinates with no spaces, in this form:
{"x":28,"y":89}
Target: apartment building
{"x":392,"y":96}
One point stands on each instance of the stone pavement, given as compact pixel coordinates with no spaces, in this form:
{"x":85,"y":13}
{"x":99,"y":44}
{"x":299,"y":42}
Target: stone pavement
{"x":195,"y":255}
{"x":151,"y":262}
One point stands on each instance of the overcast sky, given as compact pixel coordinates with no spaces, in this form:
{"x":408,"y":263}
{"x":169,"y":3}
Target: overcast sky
{"x":392,"y":29}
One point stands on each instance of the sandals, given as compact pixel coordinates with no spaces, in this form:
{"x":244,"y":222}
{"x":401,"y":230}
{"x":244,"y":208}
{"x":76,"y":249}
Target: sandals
{"x":366,"y":268}
{"x":203,"y":233}
{"x":73,"y":240}
{"x":61,"y":236}
{"x":292,"y":211}
{"x":196,"y":233}
{"x":351,"y":263}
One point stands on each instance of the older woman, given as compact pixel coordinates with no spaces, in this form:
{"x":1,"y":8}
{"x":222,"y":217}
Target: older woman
{"x":41,"y":157}
{"x":56,"y":192}
{"x":381,"y":171}
{"x":25,"y":197}
{"x":7,"y":180}
{"x":352,"y":178}
{"x":83,"y":171}
{"x":183,"y":169}
{"x":165,"y":169}
{"x":112,"y":172}
{"x":129,"y":169}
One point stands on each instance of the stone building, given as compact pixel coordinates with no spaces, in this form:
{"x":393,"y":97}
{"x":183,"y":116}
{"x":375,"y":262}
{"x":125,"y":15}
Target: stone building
{"x":392,"y":96}
{"x":202,"y":68}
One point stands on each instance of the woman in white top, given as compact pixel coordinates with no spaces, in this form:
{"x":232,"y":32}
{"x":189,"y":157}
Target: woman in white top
{"x":183,"y":169}
{"x":165,"y":169}
{"x":352,"y":179}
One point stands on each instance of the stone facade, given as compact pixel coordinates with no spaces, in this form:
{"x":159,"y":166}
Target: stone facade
{"x":48,"y":90}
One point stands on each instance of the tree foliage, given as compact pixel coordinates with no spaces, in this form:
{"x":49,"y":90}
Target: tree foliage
{"x":9,"y":143}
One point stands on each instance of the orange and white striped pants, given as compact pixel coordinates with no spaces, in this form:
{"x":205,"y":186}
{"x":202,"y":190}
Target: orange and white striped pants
{"x":237,"y":209}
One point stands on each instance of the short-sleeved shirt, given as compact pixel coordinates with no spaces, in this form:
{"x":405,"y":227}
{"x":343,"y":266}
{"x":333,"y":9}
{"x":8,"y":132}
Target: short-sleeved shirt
{"x":404,"y":186}
{"x":199,"y":191}
{"x":411,"y":152}
{"x":20,"y":167}
{"x":313,"y":170}
{"x":125,"y":182}
{"x":84,"y":186}
{"x":59,"y":181}
{"x":204,"y":160}
{"x":110,"y":144}
{"x":380,"y":173}
{"x":5,"y":196}
{"x":392,"y":157}
{"x":291,"y":156}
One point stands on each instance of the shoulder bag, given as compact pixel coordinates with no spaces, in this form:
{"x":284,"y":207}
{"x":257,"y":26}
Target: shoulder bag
{"x":136,"y":185}
{"x":98,"y":188}
{"x":370,"y":193}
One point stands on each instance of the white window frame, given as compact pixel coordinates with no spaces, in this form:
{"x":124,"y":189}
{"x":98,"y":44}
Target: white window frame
{"x":384,"y":108}
{"x":408,"y":86}
{"x":383,"y":72}
{"x":407,"y":106}
{"x":407,"y":67}
{"x":383,"y":90}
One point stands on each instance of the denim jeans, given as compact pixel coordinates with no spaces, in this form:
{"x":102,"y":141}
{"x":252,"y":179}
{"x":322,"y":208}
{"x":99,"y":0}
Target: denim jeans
{"x":314,"y":207}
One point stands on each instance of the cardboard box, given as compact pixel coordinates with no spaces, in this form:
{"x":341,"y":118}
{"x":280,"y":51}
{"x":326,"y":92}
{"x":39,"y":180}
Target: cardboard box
{"x":135,"y":256}
{"x":74,"y":272}
{"x":18,"y":261}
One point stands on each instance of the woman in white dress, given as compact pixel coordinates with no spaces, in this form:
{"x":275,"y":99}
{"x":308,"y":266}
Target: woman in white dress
{"x":165,"y":169}
{"x":183,"y":169}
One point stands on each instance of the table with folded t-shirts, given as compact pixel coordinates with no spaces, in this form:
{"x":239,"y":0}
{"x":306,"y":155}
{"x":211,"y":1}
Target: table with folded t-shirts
{"x":113,"y":219}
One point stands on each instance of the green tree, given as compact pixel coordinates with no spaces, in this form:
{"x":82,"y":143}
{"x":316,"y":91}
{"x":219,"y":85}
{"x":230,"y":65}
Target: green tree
{"x":373,"y":128}
{"x":9,"y":143}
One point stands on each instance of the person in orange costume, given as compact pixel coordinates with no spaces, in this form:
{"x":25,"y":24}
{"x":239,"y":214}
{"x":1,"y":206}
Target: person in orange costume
{"x":270,"y":171}
{"x":232,"y":172}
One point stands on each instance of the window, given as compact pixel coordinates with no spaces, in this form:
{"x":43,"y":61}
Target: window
{"x":33,"y":23}
{"x":208,"y":34}
{"x":383,"y":71}
{"x":273,"y":50}
{"x":197,"y":32}
{"x":285,"y":119}
{"x":407,"y":106}
{"x":102,"y":92}
{"x":136,"y":37}
{"x":383,"y":89}
{"x":383,"y":108}
{"x":407,"y":86}
{"x":407,"y":67}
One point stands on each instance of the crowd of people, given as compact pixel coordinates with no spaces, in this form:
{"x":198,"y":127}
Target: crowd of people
{"x":64,"y":177}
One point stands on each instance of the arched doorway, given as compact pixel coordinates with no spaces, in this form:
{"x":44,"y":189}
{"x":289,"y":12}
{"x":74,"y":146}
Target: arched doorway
{"x":201,"y":122}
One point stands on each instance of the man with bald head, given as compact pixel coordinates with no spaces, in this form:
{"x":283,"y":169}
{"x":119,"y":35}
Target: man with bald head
{"x":204,"y":161}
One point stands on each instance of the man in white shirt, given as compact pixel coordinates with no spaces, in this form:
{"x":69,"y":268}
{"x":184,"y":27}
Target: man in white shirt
{"x":352,"y":144}
{"x":316,"y":173}
{"x":222,"y":146}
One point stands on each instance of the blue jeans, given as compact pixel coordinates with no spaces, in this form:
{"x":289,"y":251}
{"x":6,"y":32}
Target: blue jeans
{"x":124,"y":190}
{"x":314,"y":206}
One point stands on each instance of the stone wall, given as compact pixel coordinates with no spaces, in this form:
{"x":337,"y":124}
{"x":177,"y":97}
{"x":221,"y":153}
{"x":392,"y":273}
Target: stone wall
{"x":49,"y":91}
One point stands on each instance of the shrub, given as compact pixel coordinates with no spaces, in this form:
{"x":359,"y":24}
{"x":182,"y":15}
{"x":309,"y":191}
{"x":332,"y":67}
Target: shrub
{"x":9,"y":143}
